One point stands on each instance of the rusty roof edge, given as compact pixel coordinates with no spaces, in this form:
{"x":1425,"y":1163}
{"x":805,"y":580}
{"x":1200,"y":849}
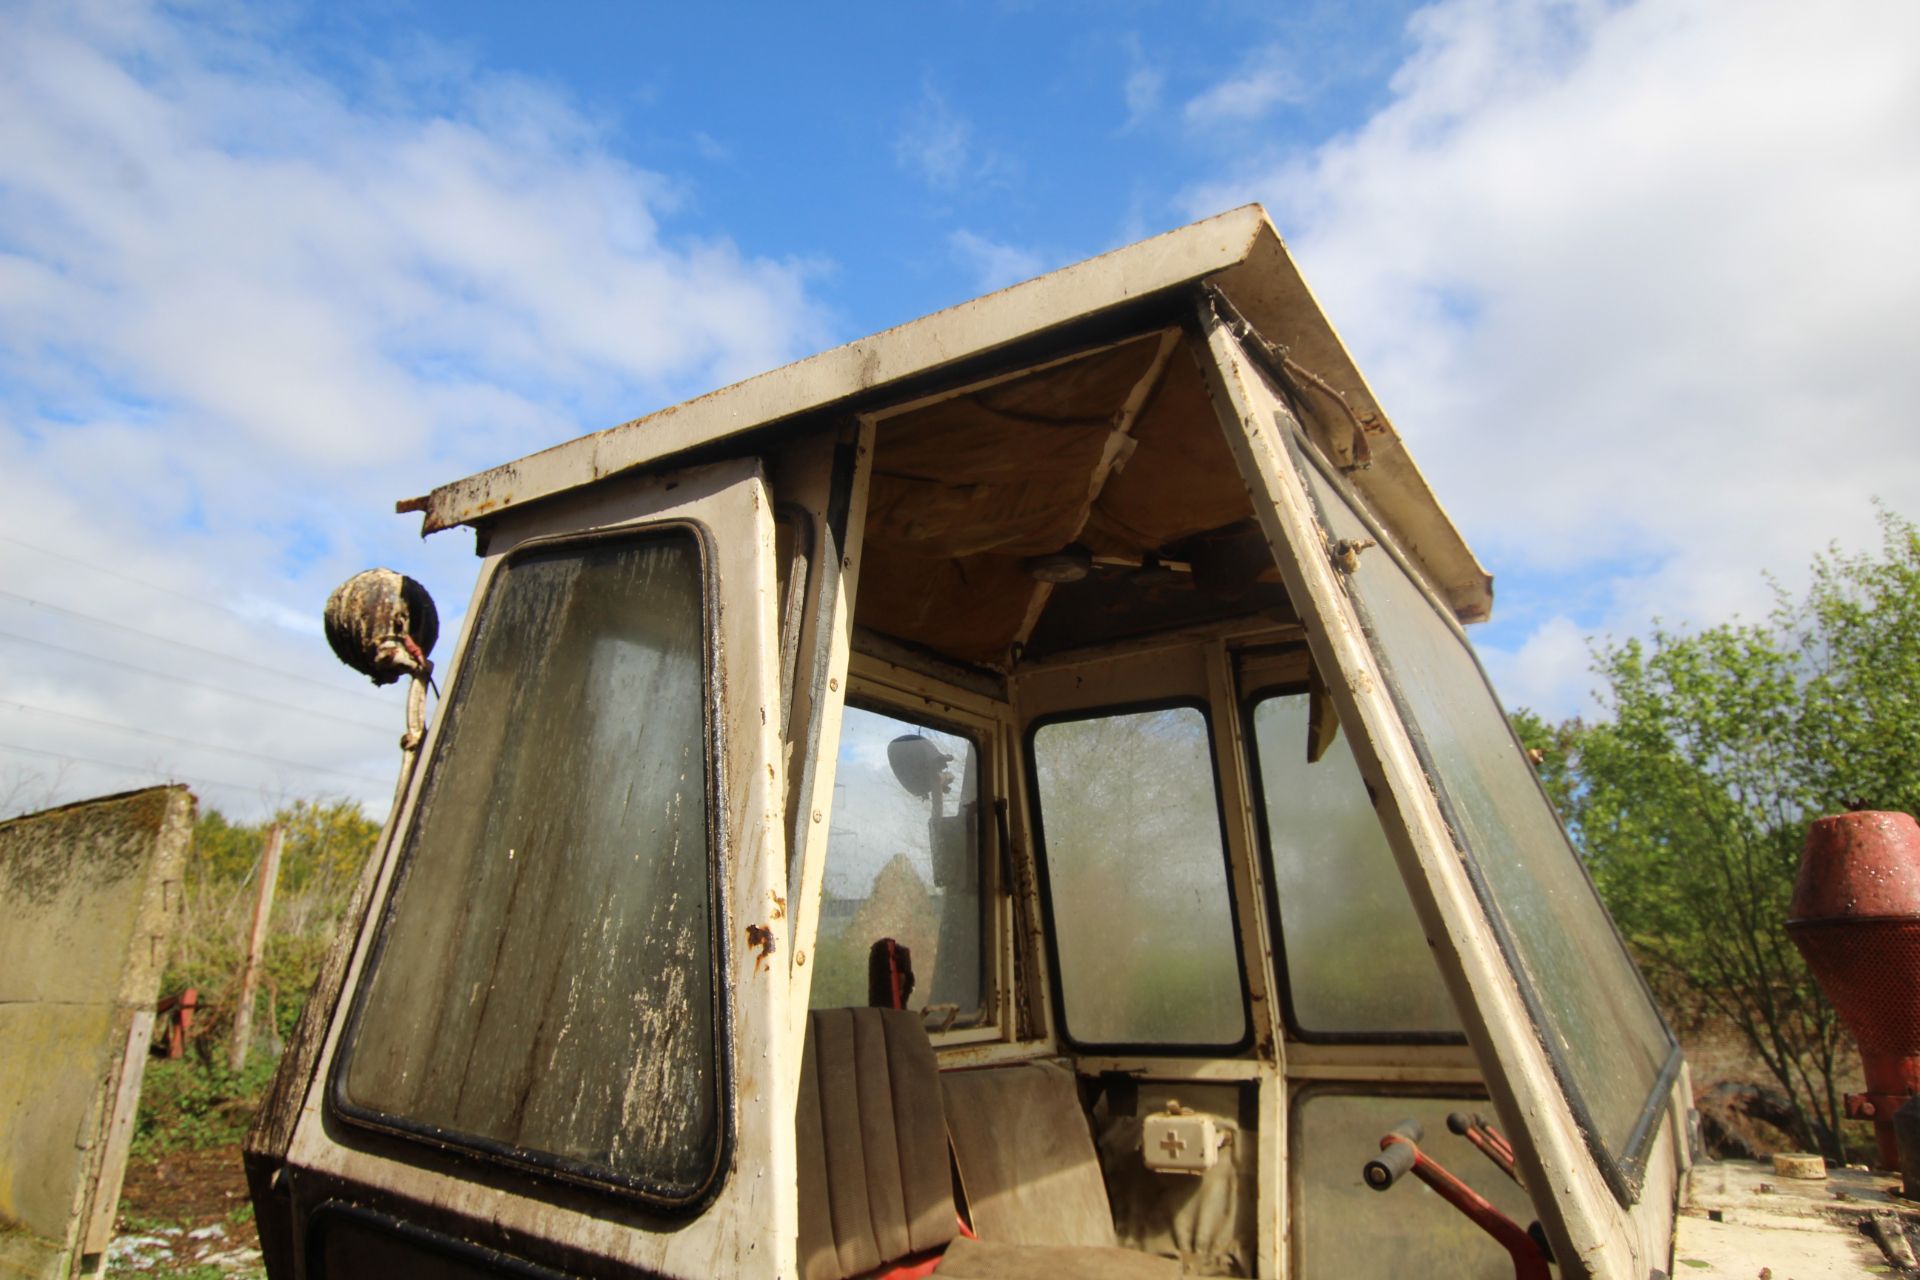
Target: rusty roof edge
{"x":917,"y":347}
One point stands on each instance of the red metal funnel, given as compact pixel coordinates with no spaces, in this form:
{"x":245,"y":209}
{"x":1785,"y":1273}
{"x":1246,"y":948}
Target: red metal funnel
{"x":1856,"y":918}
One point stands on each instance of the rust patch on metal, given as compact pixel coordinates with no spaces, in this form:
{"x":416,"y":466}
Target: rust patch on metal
{"x":779,"y":905}
{"x":760,"y":937}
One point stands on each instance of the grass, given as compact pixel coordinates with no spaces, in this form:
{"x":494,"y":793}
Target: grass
{"x":187,"y":1105}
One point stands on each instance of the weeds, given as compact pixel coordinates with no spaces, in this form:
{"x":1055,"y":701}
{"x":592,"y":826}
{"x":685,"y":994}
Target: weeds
{"x":187,"y":1104}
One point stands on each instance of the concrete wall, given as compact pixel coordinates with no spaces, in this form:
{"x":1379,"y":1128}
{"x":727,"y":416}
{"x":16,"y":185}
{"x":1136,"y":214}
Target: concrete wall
{"x":89,"y":897}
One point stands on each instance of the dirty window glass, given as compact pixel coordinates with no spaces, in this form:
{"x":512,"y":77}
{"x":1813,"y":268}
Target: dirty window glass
{"x":1348,"y":1231}
{"x":1137,"y":880}
{"x":1607,"y":1040}
{"x":903,"y":862}
{"x":544,"y":983}
{"x":1357,"y":959}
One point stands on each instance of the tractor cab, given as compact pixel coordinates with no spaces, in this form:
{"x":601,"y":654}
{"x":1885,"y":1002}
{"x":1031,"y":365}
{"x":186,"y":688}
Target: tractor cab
{"x":1007,"y":796}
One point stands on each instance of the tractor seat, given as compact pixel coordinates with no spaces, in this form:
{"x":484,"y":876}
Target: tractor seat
{"x":876,"y":1173}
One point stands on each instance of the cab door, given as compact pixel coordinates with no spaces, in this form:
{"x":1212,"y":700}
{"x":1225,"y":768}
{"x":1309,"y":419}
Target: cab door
{"x":561,"y":1045}
{"x":1583,"y":1072}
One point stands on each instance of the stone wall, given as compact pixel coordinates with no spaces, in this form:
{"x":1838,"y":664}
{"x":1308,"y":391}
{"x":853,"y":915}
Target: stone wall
{"x":90,"y":894}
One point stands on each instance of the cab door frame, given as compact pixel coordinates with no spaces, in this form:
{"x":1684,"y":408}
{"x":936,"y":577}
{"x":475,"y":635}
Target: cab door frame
{"x":1589,"y":1226}
{"x":748,"y":1225}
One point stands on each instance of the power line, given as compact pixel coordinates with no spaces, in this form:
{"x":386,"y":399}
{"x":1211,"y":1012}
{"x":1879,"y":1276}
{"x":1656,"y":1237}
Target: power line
{"x":186,"y":680}
{"x":334,"y":689}
{"x":189,"y":742}
{"x":130,"y":768}
{"x":198,"y":601}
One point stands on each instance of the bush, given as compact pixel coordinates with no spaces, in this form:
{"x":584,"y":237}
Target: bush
{"x":188,"y":1104}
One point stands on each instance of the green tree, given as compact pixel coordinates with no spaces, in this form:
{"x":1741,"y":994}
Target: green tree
{"x":327,"y":842}
{"x":1690,"y":799}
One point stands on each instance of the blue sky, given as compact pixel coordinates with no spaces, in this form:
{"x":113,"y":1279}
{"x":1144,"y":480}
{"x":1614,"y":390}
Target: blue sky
{"x":1635,"y":280}
{"x":900,"y":145}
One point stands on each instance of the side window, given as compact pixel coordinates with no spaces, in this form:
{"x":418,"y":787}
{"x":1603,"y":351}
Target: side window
{"x":542,"y":990}
{"x":1357,"y":961}
{"x":1136,"y":875}
{"x":903,"y":862}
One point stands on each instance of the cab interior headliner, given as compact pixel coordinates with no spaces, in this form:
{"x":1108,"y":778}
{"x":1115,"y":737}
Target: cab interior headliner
{"x":1116,"y":450}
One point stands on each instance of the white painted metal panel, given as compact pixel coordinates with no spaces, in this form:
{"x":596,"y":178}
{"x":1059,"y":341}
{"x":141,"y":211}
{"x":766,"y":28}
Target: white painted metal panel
{"x":749,"y":1227}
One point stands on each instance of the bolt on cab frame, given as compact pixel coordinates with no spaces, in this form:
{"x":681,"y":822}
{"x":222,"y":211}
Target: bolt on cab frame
{"x":1097,"y":645}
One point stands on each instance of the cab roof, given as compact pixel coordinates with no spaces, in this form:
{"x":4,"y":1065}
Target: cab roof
{"x":1128,"y":290}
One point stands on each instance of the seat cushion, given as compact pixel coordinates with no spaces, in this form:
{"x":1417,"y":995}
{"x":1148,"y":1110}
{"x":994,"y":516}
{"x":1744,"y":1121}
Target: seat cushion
{"x":1026,"y":1157}
{"x":978,"y":1260}
{"x":875,"y":1183}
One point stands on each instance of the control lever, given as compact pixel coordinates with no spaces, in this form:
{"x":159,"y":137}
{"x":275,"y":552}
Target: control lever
{"x":1400,"y":1154}
{"x":1493,"y":1144}
{"x":1399,"y":1150}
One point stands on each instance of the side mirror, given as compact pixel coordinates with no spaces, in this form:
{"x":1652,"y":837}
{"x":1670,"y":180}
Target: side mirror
{"x":918,"y":765}
{"x":383,"y":625}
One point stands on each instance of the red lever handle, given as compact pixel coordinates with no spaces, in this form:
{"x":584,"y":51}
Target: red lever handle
{"x":1398,"y":1150}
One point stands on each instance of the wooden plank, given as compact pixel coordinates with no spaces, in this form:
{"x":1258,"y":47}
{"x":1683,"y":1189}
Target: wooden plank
{"x":119,"y":1141}
{"x":256,"y":948}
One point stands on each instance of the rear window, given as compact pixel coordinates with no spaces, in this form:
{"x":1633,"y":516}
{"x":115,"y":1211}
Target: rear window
{"x":542,"y":990}
{"x":1146,"y":948}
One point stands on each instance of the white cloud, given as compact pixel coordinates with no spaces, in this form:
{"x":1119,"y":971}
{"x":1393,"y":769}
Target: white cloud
{"x":243,"y":307}
{"x":1142,"y":90}
{"x":995,"y":265}
{"x":936,"y":143}
{"x":1548,"y":670}
{"x":1265,"y":82}
{"x":1638,"y":282}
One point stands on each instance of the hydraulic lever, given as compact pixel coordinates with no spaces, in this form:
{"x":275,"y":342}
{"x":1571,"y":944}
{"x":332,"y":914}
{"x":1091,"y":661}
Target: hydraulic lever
{"x":1400,"y":1153}
{"x":1493,"y":1144}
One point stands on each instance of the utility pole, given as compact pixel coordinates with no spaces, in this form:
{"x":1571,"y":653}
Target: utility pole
{"x":256,"y":949}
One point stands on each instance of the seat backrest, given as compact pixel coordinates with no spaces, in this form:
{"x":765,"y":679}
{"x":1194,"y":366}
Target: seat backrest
{"x":875,"y":1180}
{"x":1026,"y":1158}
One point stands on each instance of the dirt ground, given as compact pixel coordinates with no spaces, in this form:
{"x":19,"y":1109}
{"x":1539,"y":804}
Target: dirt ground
{"x":186,"y":1214}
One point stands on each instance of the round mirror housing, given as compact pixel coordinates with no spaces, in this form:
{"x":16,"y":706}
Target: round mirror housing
{"x":383,"y":625}
{"x":918,"y":764}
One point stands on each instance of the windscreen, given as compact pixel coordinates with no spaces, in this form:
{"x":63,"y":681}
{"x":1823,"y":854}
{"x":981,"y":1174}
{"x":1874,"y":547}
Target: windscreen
{"x":542,"y":988}
{"x":1608,"y":1043}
